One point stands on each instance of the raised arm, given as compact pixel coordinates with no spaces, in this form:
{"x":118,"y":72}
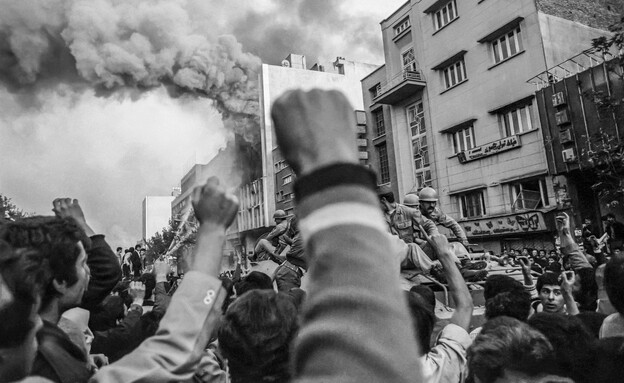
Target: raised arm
{"x":569,"y":248}
{"x":102,"y":261}
{"x":355,"y":325}
{"x":173,"y":353}
{"x":457,"y":286}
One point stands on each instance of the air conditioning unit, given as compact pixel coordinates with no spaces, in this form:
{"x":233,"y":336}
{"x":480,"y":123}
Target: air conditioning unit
{"x":562,"y":117}
{"x":558,"y":99}
{"x":568,"y":155}
{"x":565,"y":136}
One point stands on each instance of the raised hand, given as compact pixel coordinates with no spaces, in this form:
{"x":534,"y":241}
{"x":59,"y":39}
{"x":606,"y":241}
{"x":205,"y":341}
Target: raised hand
{"x":315,"y":129}
{"x":213,"y":205}
{"x":563,"y":223}
{"x":567,"y":279}
{"x":67,"y":207}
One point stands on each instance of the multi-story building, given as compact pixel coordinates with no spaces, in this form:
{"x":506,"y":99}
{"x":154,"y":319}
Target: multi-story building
{"x":460,"y":116}
{"x":274,"y":190}
{"x":582,"y":118}
{"x":156,"y":214}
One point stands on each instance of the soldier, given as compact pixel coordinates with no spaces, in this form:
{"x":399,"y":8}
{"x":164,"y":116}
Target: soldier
{"x":270,"y":243}
{"x":428,"y":207}
{"x":403,"y":220}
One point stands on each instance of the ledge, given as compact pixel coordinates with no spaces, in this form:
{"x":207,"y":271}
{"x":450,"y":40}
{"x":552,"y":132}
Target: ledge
{"x":467,"y":189}
{"x":449,"y":23}
{"x":436,"y":5}
{"x":505,"y":60}
{"x":400,"y":35}
{"x":449,"y":60}
{"x":454,"y":86}
{"x":459,"y":126}
{"x":512,"y":105}
{"x":500,"y":30}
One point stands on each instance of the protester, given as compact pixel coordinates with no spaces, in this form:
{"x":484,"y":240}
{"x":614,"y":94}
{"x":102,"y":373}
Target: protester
{"x":355,"y":323}
{"x":613,"y":325}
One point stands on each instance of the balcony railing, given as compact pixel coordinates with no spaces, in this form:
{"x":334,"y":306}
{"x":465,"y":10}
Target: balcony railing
{"x":399,"y":86}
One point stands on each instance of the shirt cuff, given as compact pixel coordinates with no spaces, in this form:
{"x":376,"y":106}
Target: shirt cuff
{"x":457,"y":334}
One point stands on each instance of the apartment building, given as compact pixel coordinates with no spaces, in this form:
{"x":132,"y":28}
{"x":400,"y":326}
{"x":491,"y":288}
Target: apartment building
{"x":460,"y":116}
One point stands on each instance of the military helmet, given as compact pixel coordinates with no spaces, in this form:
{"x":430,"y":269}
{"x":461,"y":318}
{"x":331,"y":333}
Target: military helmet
{"x":428,"y":195}
{"x":279,"y":214}
{"x":411,"y":200}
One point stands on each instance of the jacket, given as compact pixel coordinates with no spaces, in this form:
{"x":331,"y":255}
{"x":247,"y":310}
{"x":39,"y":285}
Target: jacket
{"x":404,"y":222}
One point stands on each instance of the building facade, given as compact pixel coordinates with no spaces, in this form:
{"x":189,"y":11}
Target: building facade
{"x":462,"y":116}
{"x":582,"y":117}
{"x":274,"y":190}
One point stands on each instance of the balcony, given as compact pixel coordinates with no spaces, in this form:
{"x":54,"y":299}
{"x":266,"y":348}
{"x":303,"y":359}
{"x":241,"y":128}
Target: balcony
{"x":398,"y":88}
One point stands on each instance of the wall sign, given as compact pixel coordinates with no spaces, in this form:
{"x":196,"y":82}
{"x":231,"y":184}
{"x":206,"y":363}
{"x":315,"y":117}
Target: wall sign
{"x":490,"y":149}
{"x":513,"y":224}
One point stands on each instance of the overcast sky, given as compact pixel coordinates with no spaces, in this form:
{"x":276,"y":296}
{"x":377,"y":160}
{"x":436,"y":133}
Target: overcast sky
{"x":62,"y":136}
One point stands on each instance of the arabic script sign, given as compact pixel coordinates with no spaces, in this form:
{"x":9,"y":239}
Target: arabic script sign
{"x":519,"y":223}
{"x":492,"y":148}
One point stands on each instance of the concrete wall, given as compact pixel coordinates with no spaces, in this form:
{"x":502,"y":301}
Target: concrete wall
{"x":564,"y":39}
{"x":594,"y":13}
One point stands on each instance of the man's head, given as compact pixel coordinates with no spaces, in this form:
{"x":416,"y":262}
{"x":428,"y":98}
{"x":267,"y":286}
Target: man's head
{"x":614,"y":282}
{"x":610,"y":217}
{"x":507,"y":348}
{"x":617,"y":252}
{"x":428,"y":200}
{"x":255,"y":280}
{"x":504,"y":296}
{"x":255,"y":336}
{"x":137,"y":247}
{"x":61,"y":242}
{"x":119,"y":250}
{"x":411,"y":200}
{"x":386,"y":197}
{"x":279,"y":216}
{"x":550,"y":293}
{"x":421,"y":307}
{"x":22,"y":276}
{"x":571,"y":341}
{"x":587,"y":222}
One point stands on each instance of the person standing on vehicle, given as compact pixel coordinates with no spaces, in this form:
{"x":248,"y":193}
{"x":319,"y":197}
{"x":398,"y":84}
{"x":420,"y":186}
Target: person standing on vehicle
{"x":428,"y":207}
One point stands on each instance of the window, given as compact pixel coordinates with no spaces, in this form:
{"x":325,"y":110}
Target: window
{"x":287,"y":179}
{"x":530,"y":194}
{"x":454,"y":73}
{"x":421,"y":152}
{"x":279,"y":196}
{"x":516,"y":120}
{"x":445,"y":15}
{"x":375,"y":91}
{"x":463,"y":140}
{"x":403,"y":25}
{"x":380,"y":127}
{"x":472,"y":204}
{"x":509,"y":44}
{"x":280,"y":165}
{"x":423,"y":179}
{"x":384,"y":168}
{"x":416,"y":118}
{"x":409,"y":60}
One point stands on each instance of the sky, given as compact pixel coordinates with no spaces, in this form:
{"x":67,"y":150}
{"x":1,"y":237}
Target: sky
{"x":88,"y":109}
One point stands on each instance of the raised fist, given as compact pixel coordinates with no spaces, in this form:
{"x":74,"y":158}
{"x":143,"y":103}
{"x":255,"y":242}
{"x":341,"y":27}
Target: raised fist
{"x":212,"y":204}
{"x":315,"y":129}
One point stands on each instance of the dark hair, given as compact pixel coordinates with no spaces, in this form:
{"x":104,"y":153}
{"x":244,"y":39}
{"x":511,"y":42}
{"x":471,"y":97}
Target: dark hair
{"x":515,"y":304}
{"x":508,"y":344}
{"x":426,"y":293}
{"x":106,"y":314}
{"x":610,"y":215}
{"x":423,"y":318}
{"x":254,"y":280}
{"x":56,"y":239}
{"x":255,"y":336}
{"x":548,"y":278}
{"x":608,"y":359}
{"x":614,"y":283}
{"x":23,"y":274}
{"x":571,"y":342}
{"x":497,"y":283}
{"x":119,"y":248}
{"x":592,"y":321}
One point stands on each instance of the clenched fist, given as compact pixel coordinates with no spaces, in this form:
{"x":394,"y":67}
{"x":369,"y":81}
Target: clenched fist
{"x":315,"y":129}
{"x":212,"y":204}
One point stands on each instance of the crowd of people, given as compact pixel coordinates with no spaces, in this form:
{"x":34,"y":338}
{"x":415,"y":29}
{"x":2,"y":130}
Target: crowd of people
{"x":74,"y":311}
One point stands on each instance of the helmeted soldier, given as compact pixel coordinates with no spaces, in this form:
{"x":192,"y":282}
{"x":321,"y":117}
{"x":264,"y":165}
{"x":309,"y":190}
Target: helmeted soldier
{"x":428,"y":198}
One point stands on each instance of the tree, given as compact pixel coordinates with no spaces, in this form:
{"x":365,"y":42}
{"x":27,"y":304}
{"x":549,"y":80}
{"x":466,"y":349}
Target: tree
{"x":607,"y":152}
{"x":174,"y":239}
{"x":9,"y":211}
